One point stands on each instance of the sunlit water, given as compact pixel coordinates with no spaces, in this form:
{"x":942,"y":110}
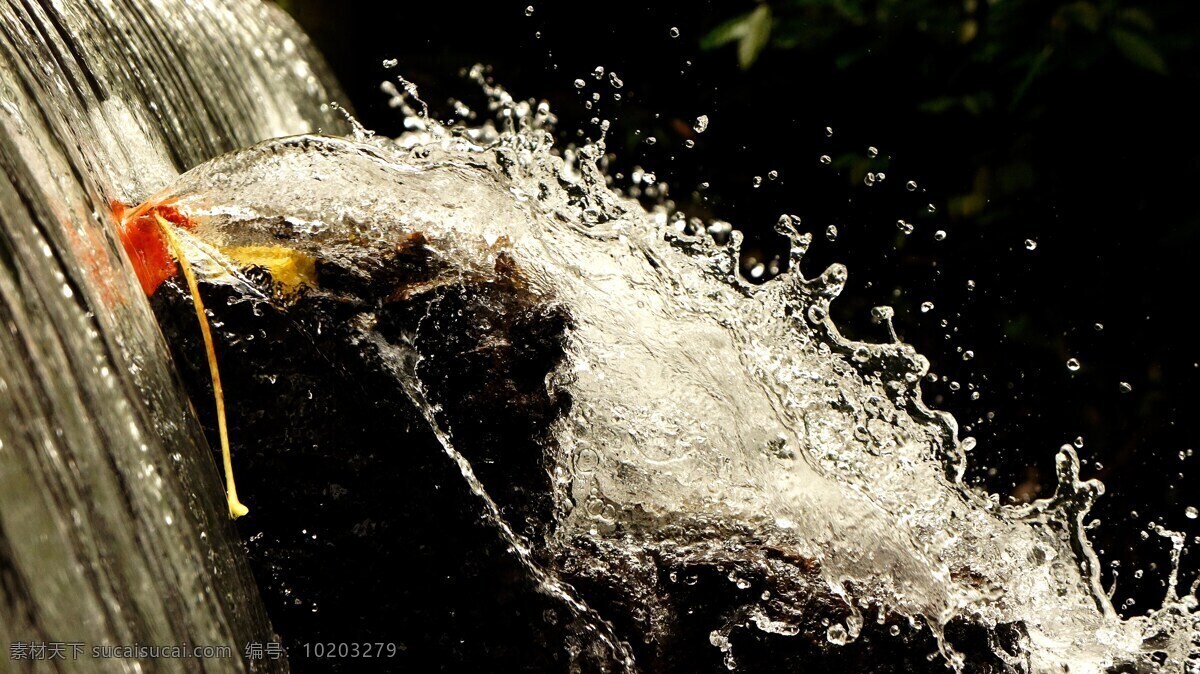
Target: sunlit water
{"x":711,"y":418}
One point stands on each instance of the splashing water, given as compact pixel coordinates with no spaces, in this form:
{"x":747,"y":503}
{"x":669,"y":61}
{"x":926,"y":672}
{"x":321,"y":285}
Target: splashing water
{"x":712,"y":419}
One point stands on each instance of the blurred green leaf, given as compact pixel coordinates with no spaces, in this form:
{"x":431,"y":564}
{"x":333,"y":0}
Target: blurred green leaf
{"x":751,"y":31}
{"x":1137,"y":17}
{"x":1138,"y":49}
{"x":729,"y":31}
{"x":757,"y":34}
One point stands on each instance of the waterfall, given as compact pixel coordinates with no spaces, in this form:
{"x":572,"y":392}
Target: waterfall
{"x":104,"y":535}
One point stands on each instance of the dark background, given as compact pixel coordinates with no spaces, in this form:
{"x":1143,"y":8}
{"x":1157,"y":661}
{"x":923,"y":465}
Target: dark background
{"x":1069,"y":124}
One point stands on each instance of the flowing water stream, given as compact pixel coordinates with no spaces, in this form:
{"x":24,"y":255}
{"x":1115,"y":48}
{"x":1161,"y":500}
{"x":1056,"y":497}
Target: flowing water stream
{"x":712,"y":421}
{"x":105,"y":536}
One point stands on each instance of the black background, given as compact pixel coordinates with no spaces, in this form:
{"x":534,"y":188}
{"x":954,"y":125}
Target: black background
{"x":1095,"y":160}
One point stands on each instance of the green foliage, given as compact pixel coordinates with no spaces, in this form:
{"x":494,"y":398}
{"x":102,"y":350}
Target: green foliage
{"x":1028,"y":41}
{"x":751,"y":31}
{"x":1006,"y":64}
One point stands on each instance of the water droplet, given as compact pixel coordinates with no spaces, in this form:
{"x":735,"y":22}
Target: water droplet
{"x":869,"y":179}
{"x":911,"y":185}
{"x":579,"y":84}
{"x":905,"y":227}
{"x":701,"y":124}
{"x":831,"y":232}
{"x":674,"y":32}
{"x":689,"y":143}
{"x":939,"y":235}
{"x":1098,"y":327}
{"x":829,"y":132}
{"x":968,"y":355}
{"x":529,"y":11}
{"x":1073,"y":364}
{"x":615,"y":81}
{"x":598,"y":73}
{"x":968,"y":443}
{"x":1030,"y":244}
{"x":872,"y":152}
{"x":1078,"y":443}
{"x":651,"y":140}
{"x":836,"y":634}
{"x":391,"y":63}
{"x":1191,"y":512}
{"x":772,"y":175}
{"x":926,"y":307}
{"x":826,"y":159}
{"x":1125,"y":387}
{"x":757,"y":181}
{"x":894,"y":630}
{"x":931,"y":208}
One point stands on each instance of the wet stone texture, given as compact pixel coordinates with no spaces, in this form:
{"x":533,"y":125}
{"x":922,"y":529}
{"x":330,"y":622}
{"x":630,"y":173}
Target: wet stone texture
{"x":362,"y":530}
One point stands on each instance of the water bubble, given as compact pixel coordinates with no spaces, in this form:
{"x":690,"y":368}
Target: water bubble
{"x":1030,"y":244}
{"x":1073,"y":364}
{"x":906,"y":227}
{"x":772,"y":175}
{"x":826,"y":159}
{"x":598,"y":73}
{"x":931,"y":208}
{"x":968,"y":443}
{"x":689,"y":143}
{"x":872,"y":152}
{"x":970,"y":284}
{"x":836,"y":634}
{"x":831,"y":232}
{"x":869,"y":179}
{"x":829,"y":132}
{"x":939,"y":235}
{"x":720,"y":230}
{"x":529,"y":11}
{"x":1191,"y":512}
{"x":1078,"y":442}
{"x":651,"y":140}
{"x":579,"y":84}
{"x":674,"y":32}
{"x":615,"y":81}
{"x":1125,"y":387}
{"x":391,"y":63}
{"x":701,"y":124}
{"x":757,"y":181}
{"x":1099,"y":327}
{"x":926,"y":307}
{"x":911,"y":185}
{"x":968,"y":355}
{"x":894,"y":630}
